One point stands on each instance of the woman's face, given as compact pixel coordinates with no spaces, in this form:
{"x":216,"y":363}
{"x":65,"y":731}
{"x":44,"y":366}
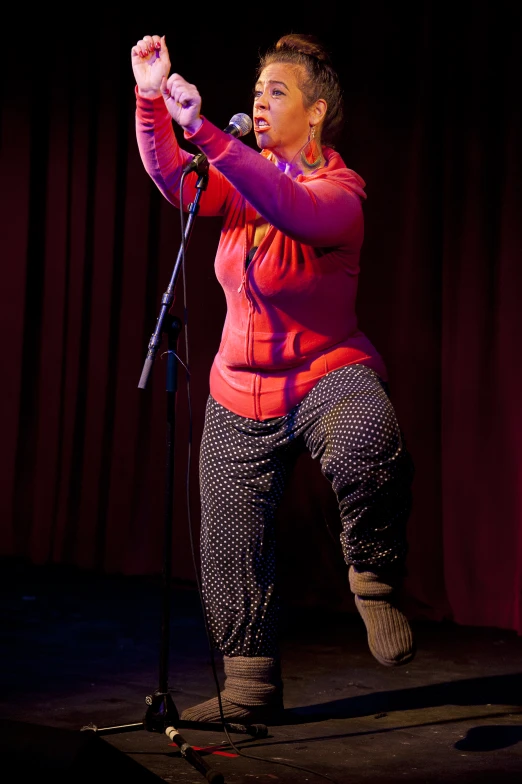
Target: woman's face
{"x":281,"y":122}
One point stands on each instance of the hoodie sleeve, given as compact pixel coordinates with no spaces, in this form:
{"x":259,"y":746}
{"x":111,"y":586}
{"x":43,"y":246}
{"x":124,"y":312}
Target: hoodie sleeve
{"x":163,"y":160}
{"x":323,"y":209}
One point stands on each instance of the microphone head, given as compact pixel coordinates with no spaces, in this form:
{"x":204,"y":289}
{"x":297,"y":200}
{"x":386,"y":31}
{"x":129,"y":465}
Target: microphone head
{"x":242,"y":122}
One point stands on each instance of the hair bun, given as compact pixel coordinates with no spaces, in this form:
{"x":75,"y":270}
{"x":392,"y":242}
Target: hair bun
{"x":303,"y":43}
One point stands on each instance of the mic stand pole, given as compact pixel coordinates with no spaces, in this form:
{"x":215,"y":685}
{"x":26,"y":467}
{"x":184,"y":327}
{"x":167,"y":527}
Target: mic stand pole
{"x":161,"y":714}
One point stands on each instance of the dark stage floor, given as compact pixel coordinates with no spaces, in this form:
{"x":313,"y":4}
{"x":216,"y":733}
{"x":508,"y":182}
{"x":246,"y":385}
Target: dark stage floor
{"x":82,"y":650}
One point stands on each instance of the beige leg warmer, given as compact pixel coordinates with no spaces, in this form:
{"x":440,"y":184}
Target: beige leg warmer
{"x":389,"y":634}
{"x":253,"y":692}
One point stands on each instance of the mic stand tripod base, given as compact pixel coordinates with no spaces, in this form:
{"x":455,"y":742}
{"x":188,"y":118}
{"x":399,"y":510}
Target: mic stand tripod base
{"x":254,"y":730}
{"x":161,"y":711}
{"x":162,"y":715}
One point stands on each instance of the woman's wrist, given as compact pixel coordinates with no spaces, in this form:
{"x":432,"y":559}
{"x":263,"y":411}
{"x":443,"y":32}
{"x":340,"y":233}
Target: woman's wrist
{"x":191,"y":129}
{"x":149,"y":93}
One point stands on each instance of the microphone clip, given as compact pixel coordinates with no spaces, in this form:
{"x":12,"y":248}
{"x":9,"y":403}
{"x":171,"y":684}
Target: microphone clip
{"x":199,"y":164}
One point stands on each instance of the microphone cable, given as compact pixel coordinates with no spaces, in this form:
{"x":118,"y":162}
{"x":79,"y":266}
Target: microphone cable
{"x":210,"y":643}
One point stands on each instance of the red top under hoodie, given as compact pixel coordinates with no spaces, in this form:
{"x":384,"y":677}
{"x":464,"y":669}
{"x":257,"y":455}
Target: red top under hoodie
{"x":291,"y":312}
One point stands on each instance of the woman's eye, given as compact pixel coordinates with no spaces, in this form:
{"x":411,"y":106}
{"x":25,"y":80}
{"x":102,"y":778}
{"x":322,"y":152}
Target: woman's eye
{"x":275,"y":93}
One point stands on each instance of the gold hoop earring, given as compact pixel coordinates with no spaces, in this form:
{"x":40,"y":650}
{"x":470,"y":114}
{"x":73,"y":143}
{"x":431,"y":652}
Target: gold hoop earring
{"x":311,"y":156}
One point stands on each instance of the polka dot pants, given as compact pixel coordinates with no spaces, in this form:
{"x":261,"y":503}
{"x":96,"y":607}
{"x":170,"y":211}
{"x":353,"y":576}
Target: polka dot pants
{"x":348,"y":423}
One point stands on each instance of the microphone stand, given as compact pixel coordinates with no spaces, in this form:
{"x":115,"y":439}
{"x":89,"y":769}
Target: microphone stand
{"x":161,"y":714}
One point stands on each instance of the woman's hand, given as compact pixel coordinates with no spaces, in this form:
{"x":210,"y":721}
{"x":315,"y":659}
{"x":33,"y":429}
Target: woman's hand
{"x":151,"y":67}
{"x":183,"y":102}
{"x":150,"y":64}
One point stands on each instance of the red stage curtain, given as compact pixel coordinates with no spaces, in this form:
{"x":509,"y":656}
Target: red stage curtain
{"x":89,"y":246}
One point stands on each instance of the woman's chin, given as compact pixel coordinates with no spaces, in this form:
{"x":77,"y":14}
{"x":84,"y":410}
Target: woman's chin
{"x":263,"y":140}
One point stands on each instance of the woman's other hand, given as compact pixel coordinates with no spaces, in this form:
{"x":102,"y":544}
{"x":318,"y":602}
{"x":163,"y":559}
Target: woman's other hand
{"x":183,"y":102}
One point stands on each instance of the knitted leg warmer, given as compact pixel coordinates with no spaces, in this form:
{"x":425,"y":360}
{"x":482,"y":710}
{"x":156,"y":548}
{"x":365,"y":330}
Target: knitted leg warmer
{"x":390,"y":638}
{"x":253,"y":692}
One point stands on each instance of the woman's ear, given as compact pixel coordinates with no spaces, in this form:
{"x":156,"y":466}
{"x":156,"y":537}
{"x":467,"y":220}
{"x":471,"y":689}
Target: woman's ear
{"x":318,"y":111}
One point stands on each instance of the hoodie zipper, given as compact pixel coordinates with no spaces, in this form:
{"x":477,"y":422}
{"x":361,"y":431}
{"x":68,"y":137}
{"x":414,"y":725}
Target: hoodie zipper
{"x":246,"y":264}
{"x":243,"y":287}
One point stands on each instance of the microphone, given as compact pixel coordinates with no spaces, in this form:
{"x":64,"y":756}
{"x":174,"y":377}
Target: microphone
{"x":239,"y":125}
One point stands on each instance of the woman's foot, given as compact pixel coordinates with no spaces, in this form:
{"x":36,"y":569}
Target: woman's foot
{"x":390,"y":637}
{"x":253,"y":692}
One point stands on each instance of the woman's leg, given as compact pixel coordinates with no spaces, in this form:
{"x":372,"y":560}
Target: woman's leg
{"x":243,"y":471}
{"x":352,"y":429}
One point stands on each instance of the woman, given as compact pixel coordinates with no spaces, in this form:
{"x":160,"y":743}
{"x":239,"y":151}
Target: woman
{"x":293,"y":372}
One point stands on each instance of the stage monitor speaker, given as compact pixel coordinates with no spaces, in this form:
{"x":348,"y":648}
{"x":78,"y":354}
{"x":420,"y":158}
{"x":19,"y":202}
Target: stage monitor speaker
{"x":28,"y":751}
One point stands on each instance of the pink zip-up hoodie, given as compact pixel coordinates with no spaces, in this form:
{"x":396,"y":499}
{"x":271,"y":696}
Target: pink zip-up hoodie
{"x":291,"y":314}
